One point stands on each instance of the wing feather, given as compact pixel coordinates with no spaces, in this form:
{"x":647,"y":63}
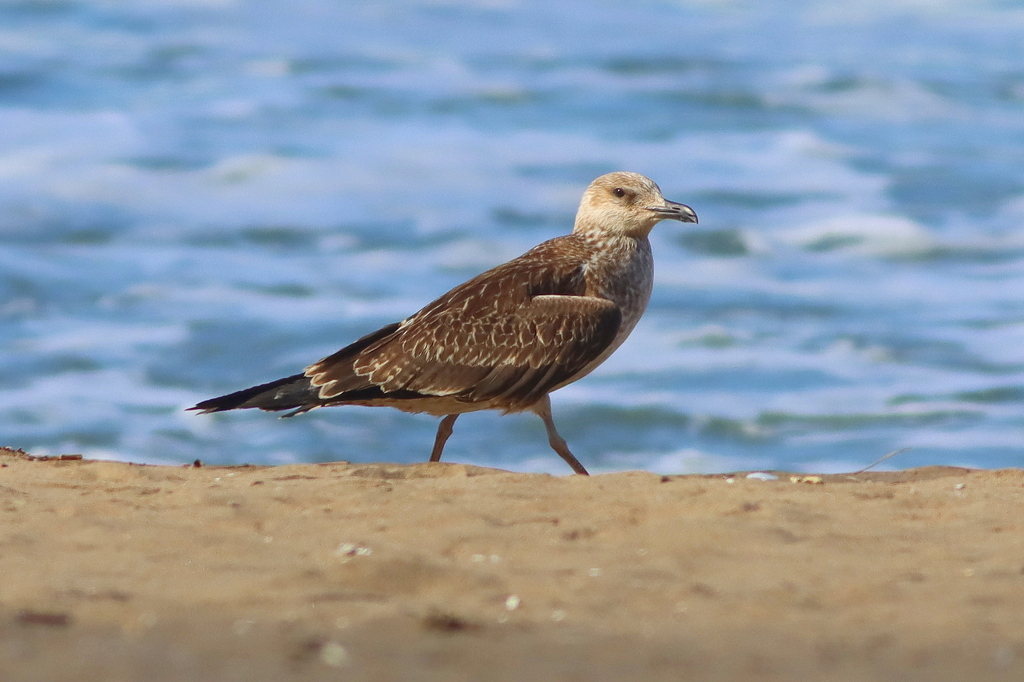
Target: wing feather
{"x":510,"y":334}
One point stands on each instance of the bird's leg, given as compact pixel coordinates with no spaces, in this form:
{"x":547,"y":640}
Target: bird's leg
{"x":444,"y":430}
{"x":543,"y":410}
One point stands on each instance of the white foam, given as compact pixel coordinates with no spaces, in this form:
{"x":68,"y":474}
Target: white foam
{"x":694,"y":461}
{"x":871,"y":235}
{"x":109,"y":339}
{"x":885,"y":98}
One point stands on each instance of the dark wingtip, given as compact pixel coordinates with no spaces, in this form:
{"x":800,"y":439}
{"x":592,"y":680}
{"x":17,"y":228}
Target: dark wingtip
{"x":284,"y":394}
{"x":205,"y":407}
{"x":213,"y":405}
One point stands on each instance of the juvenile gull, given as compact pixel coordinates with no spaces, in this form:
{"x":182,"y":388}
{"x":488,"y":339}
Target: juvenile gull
{"x":507,"y":338}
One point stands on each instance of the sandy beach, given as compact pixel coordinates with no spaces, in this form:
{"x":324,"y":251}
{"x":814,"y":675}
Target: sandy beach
{"x":118,"y":571}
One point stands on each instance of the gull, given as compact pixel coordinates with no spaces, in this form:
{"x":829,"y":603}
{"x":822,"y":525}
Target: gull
{"x":507,"y":338}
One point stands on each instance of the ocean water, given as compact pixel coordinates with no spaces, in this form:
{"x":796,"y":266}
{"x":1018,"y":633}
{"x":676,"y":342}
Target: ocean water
{"x":200,"y":195}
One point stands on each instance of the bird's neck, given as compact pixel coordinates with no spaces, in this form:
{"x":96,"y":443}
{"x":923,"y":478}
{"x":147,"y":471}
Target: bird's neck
{"x":604,"y":241}
{"x":603,"y":221}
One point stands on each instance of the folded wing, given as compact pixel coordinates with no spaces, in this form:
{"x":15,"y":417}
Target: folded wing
{"x":509,"y":335}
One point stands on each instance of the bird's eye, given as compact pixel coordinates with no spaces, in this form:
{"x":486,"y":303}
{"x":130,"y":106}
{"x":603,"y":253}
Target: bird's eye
{"x":619,"y":192}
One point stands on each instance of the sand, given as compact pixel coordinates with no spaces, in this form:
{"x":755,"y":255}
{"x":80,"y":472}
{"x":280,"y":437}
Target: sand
{"x":114,"y":571}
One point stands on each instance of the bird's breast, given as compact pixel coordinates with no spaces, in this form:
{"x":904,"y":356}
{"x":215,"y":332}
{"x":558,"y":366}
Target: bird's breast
{"x":623,"y":272}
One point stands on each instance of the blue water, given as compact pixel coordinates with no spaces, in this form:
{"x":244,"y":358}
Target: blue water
{"x":201,"y":195}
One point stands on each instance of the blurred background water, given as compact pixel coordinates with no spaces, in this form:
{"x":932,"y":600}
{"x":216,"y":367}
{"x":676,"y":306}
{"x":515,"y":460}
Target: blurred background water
{"x":201,"y":195}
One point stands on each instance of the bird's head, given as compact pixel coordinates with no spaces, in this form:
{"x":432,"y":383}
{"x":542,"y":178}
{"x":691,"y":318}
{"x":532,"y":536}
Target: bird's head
{"x":626,"y":204}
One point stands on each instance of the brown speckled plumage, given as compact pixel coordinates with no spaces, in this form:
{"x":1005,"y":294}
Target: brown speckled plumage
{"x":506,"y":338}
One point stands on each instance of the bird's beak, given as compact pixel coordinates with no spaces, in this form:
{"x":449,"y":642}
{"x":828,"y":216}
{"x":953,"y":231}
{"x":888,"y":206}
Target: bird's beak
{"x":673,"y":211}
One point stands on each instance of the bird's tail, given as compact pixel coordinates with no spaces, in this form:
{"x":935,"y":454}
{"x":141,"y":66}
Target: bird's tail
{"x":298,"y":392}
{"x":291,"y":393}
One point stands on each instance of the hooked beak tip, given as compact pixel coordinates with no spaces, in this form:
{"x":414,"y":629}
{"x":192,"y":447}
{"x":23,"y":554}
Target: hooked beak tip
{"x":675,"y":211}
